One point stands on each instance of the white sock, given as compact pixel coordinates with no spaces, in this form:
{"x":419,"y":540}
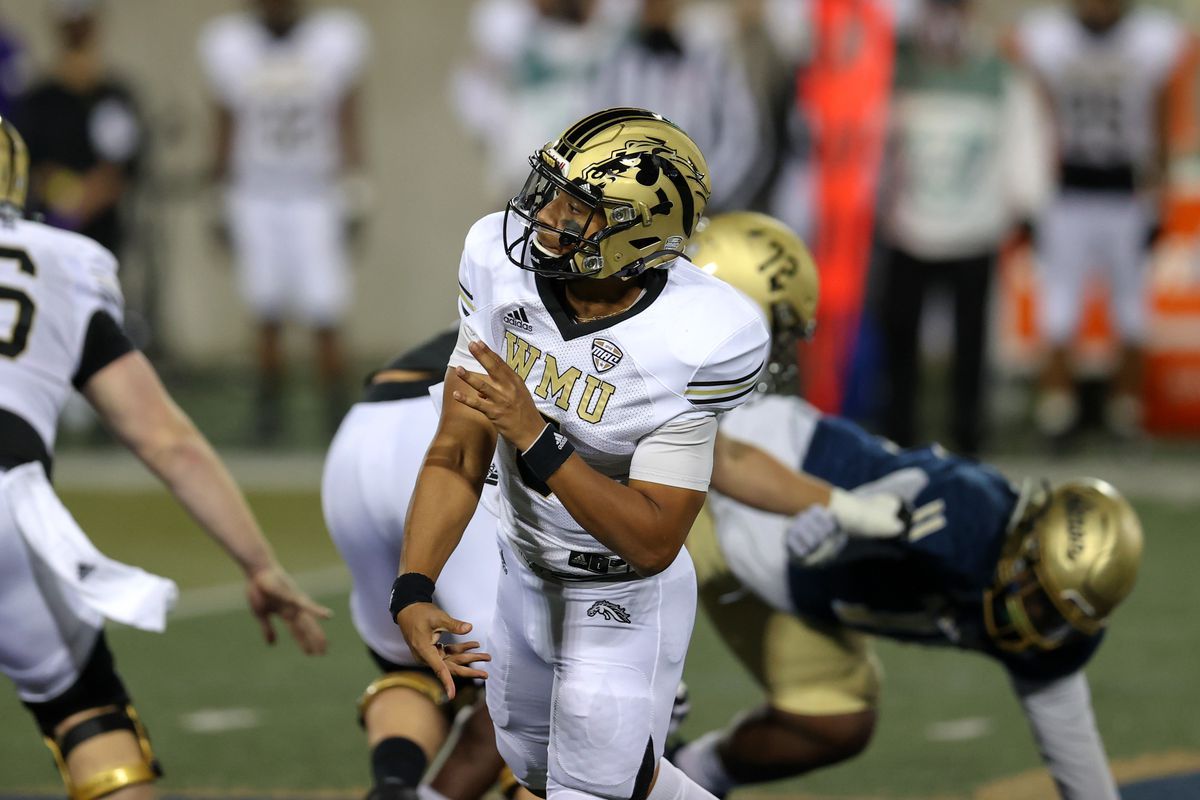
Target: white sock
{"x":427,"y":792}
{"x":672,"y":784}
{"x":699,"y":761}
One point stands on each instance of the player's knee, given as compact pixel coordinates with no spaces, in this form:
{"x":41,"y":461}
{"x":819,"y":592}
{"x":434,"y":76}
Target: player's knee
{"x":97,"y":686}
{"x":411,"y":682}
{"x":599,"y":714}
{"x":830,"y":738}
{"x":94,"y":734}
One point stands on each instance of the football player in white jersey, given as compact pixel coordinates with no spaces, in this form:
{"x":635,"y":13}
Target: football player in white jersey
{"x":1105,"y":69}
{"x":368,"y":480}
{"x":285,"y":82}
{"x":60,"y":328}
{"x":617,"y":356}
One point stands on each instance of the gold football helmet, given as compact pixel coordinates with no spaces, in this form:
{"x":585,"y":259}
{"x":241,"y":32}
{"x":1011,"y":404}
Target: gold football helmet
{"x":14,"y":170}
{"x":1070,"y":559}
{"x":619,"y":192}
{"x":766,"y":261}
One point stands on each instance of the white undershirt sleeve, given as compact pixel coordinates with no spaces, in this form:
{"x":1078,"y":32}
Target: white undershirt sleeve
{"x":1060,"y":714}
{"x":680,"y":453}
{"x":461,"y":357}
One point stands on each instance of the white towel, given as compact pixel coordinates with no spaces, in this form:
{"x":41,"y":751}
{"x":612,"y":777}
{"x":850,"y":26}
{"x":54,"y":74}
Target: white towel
{"x":117,"y":591}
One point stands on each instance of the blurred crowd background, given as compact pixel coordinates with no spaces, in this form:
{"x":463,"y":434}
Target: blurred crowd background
{"x":912,"y":143}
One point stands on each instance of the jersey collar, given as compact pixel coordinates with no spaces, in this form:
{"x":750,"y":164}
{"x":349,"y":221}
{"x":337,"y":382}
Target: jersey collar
{"x":551,"y":292}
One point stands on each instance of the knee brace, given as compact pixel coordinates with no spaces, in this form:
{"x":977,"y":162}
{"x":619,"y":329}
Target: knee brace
{"x":111,"y":779}
{"x":423,"y":683}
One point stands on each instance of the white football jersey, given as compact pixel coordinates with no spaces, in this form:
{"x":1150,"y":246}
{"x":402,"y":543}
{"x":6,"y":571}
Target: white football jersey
{"x":51,"y":283}
{"x":690,"y":347}
{"x":284,"y":93}
{"x":1104,"y":87}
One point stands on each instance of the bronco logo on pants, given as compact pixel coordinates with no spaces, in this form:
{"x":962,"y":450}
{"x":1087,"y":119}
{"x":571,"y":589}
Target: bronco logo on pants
{"x":610,"y":611}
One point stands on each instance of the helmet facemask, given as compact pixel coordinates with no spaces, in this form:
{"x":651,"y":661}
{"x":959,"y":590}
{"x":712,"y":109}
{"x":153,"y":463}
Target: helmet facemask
{"x":782,"y":375}
{"x":579,"y":207}
{"x":1020,"y":613}
{"x":546,"y":189}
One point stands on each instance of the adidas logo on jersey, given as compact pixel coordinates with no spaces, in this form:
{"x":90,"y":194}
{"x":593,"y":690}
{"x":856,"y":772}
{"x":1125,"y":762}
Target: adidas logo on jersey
{"x":518,"y":319}
{"x":605,"y":355}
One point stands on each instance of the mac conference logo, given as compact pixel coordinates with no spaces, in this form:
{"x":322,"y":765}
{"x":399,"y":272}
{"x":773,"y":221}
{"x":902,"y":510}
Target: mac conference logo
{"x":605,"y":355}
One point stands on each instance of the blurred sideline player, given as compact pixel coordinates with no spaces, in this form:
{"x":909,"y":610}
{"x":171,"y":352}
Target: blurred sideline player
{"x":1025,"y":575}
{"x":1106,"y":72}
{"x":368,"y":479}
{"x":85,"y":136}
{"x":286,"y":87}
{"x":60,"y":327}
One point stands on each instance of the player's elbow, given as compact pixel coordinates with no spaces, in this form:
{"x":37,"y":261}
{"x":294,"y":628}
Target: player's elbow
{"x":655,"y":559}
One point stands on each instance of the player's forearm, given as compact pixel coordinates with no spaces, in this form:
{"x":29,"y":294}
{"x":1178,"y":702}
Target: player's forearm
{"x":623,"y":519}
{"x":754,"y":478}
{"x":1060,"y":715}
{"x":192,"y":471}
{"x":444,"y":500}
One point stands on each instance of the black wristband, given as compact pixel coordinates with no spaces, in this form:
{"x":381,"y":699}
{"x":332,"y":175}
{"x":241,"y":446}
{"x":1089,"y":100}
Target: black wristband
{"x":547,"y":453}
{"x":409,"y":588}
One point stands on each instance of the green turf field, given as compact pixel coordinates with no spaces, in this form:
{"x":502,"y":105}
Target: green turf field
{"x":225,"y":711}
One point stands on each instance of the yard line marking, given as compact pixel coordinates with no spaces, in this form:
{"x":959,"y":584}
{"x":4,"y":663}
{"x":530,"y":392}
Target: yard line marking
{"x":219,"y":720}
{"x":958,"y":730}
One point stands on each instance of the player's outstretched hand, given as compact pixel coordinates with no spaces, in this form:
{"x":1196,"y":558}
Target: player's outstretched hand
{"x":423,"y":625}
{"x":814,"y":537}
{"x":873,"y":516}
{"x":271,"y":591}
{"x":882,"y":507}
{"x":503,"y":397}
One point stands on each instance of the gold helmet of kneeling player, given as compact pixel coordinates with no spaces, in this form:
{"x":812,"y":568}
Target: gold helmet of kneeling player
{"x":766,"y":261}
{"x":1070,"y":559}
{"x":14,"y":170}
{"x":619,"y":192}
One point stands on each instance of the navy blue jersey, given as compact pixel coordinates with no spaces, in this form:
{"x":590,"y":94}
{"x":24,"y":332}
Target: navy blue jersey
{"x":929,"y":587}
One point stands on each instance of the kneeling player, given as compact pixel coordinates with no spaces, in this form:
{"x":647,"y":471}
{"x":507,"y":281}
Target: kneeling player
{"x":369,"y":477}
{"x":1026,"y":575}
{"x":60,"y":328}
